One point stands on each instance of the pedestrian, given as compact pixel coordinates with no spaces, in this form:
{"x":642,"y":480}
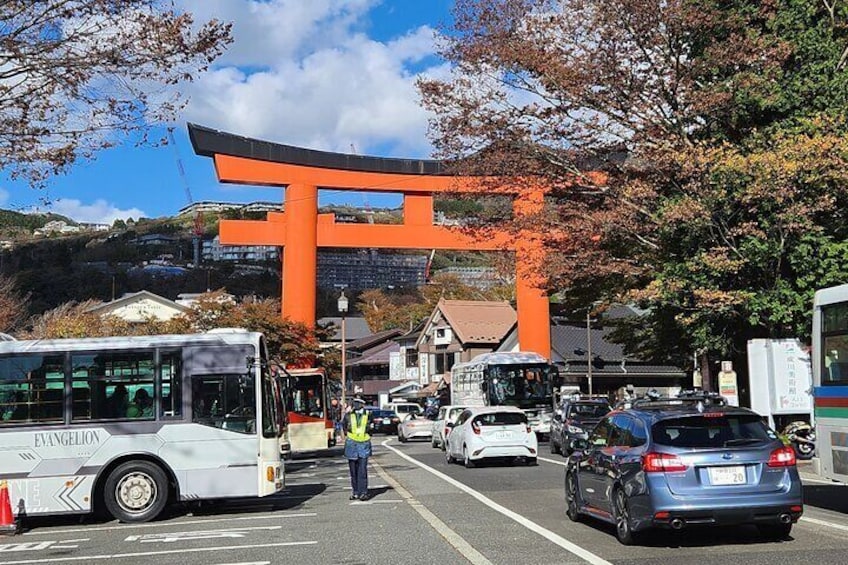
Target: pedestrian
{"x":357,"y":448}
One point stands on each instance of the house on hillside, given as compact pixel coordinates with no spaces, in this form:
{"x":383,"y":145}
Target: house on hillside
{"x":139,"y":307}
{"x":459,"y":330}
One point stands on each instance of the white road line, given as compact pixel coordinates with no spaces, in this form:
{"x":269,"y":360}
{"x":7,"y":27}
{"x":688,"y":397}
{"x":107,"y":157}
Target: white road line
{"x":171,"y":524}
{"x":454,"y":539}
{"x":824,"y":523}
{"x":569,"y":546}
{"x":152,"y":553}
{"x":554,"y":461}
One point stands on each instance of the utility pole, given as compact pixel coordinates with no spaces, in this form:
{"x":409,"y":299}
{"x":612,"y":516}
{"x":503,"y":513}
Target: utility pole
{"x":589,"y":348}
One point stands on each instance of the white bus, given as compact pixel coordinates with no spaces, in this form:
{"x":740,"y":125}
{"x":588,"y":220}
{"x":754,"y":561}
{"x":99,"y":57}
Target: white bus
{"x":522,"y":378}
{"x":830,"y":381}
{"x":127,"y":424}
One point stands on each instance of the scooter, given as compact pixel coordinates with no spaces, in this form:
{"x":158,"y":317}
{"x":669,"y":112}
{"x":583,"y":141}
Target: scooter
{"x":802,"y":436}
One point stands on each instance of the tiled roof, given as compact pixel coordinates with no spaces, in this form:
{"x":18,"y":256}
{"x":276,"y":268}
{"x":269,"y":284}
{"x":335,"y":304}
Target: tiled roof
{"x":366,"y":342}
{"x":378,"y":355}
{"x":479,"y":321}
{"x":355,"y":328}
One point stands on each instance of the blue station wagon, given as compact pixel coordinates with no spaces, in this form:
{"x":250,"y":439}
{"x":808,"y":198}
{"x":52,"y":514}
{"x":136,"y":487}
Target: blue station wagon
{"x":675,"y":463}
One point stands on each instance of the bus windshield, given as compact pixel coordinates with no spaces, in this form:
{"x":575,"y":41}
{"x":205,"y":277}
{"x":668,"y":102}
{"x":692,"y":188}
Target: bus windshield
{"x":524,"y":386}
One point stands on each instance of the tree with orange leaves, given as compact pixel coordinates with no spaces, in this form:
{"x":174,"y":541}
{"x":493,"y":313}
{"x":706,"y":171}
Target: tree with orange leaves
{"x":720,"y":128}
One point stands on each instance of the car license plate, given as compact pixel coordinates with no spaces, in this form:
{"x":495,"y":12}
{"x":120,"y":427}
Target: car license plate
{"x":727,"y":475}
{"x":504,"y":434}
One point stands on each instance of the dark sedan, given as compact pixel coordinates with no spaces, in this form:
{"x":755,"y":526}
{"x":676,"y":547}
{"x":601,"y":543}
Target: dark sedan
{"x":384,"y":422}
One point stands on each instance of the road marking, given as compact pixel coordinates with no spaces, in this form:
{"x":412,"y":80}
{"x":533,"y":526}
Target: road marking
{"x":178,"y":523}
{"x":554,"y":461}
{"x":824,"y":523}
{"x":454,"y":539}
{"x":153,"y":553}
{"x":365,"y":502}
{"x":569,"y":546}
{"x":171,"y":537}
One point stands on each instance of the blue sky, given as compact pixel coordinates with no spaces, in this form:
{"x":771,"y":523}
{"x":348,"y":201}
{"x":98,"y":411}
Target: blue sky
{"x":323,"y":74}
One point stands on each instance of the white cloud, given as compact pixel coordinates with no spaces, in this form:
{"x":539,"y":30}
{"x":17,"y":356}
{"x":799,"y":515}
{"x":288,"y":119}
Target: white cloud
{"x":304,"y":73}
{"x":99,"y":211}
{"x":4,"y":197}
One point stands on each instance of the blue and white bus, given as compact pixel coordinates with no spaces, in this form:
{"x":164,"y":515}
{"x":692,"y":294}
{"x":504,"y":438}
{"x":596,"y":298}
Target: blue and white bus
{"x":830,"y":381}
{"x":127,"y":424}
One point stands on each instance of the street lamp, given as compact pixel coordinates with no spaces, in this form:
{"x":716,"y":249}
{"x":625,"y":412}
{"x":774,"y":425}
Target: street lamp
{"x":591,"y":307}
{"x":343,"y":311}
{"x":589,"y":348}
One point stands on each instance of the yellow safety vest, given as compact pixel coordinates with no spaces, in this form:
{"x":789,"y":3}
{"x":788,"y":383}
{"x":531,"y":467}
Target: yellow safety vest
{"x":358,"y":427}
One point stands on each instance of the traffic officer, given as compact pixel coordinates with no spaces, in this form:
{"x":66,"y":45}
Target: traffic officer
{"x":357,"y":448}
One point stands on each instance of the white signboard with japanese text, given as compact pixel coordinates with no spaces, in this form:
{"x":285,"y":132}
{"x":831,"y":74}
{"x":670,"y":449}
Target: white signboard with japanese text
{"x":780,"y":378}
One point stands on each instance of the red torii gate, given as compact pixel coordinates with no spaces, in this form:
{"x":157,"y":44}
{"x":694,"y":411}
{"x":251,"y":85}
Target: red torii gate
{"x":300,"y":230}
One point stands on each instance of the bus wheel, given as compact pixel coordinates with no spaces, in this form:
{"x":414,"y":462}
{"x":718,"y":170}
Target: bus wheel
{"x":136,"y":491}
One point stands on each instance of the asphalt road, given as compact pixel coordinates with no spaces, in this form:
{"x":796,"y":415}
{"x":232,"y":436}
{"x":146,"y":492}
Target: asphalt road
{"x":423,"y":511}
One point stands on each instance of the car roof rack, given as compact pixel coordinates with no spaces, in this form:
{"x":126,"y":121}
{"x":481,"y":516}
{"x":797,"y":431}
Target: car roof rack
{"x":701,"y":398}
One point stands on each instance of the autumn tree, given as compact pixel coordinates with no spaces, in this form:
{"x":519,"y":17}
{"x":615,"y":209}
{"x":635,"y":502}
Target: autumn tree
{"x":13,"y":305}
{"x":719,"y":126}
{"x":384,"y":310}
{"x":82,"y":75}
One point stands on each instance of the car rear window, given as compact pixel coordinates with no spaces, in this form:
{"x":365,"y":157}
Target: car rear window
{"x":712,"y":430}
{"x":501,"y":419}
{"x":589,"y":410}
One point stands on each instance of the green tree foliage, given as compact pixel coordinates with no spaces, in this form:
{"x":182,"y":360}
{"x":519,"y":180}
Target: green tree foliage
{"x":719,"y":127}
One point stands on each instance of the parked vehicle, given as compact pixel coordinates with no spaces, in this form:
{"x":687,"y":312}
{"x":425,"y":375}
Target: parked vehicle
{"x":384,"y":422}
{"x":491,"y":431}
{"x":403,"y":408}
{"x":673,"y":463}
{"x":446,"y":414}
{"x":574,"y":419}
{"x":414,"y":426}
{"x":802,"y":438}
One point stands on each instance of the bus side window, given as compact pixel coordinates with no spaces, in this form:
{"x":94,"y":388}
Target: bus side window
{"x":171,"y":405}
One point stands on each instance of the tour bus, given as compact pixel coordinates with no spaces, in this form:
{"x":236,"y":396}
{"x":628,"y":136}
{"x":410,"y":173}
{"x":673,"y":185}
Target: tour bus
{"x":305,"y":396}
{"x":522,"y":378}
{"x":830,"y":381}
{"x":127,"y":424}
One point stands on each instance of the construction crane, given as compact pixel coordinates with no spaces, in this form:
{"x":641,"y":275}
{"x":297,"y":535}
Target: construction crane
{"x":197,"y":229}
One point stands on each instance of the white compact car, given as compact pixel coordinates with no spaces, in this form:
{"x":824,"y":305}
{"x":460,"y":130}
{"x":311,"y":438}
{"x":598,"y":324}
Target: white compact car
{"x":441,"y":430}
{"x":489,"y":432}
{"x":414,"y":426}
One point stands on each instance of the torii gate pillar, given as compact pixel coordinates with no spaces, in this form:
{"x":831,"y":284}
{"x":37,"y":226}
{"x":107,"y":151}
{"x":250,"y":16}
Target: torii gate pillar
{"x":300,"y":230}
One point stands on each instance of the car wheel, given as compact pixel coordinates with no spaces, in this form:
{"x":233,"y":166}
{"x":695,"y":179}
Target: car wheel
{"x":531,"y":461}
{"x":804,"y":451}
{"x":448,"y":456}
{"x":553,"y":445}
{"x":621,"y":512}
{"x":572,"y":507}
{"x":775,"y":531}
{"x":136,"y":491}
{"x":469,"y":464}
{"x":401,"y":437}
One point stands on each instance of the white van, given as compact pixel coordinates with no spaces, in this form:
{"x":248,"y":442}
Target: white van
{"x":402,"y":409}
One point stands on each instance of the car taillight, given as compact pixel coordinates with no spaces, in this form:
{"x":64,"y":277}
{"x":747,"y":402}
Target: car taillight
{"x":475,"y":427}
{"x":662,"y":463}
{"x":782,"y":457}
